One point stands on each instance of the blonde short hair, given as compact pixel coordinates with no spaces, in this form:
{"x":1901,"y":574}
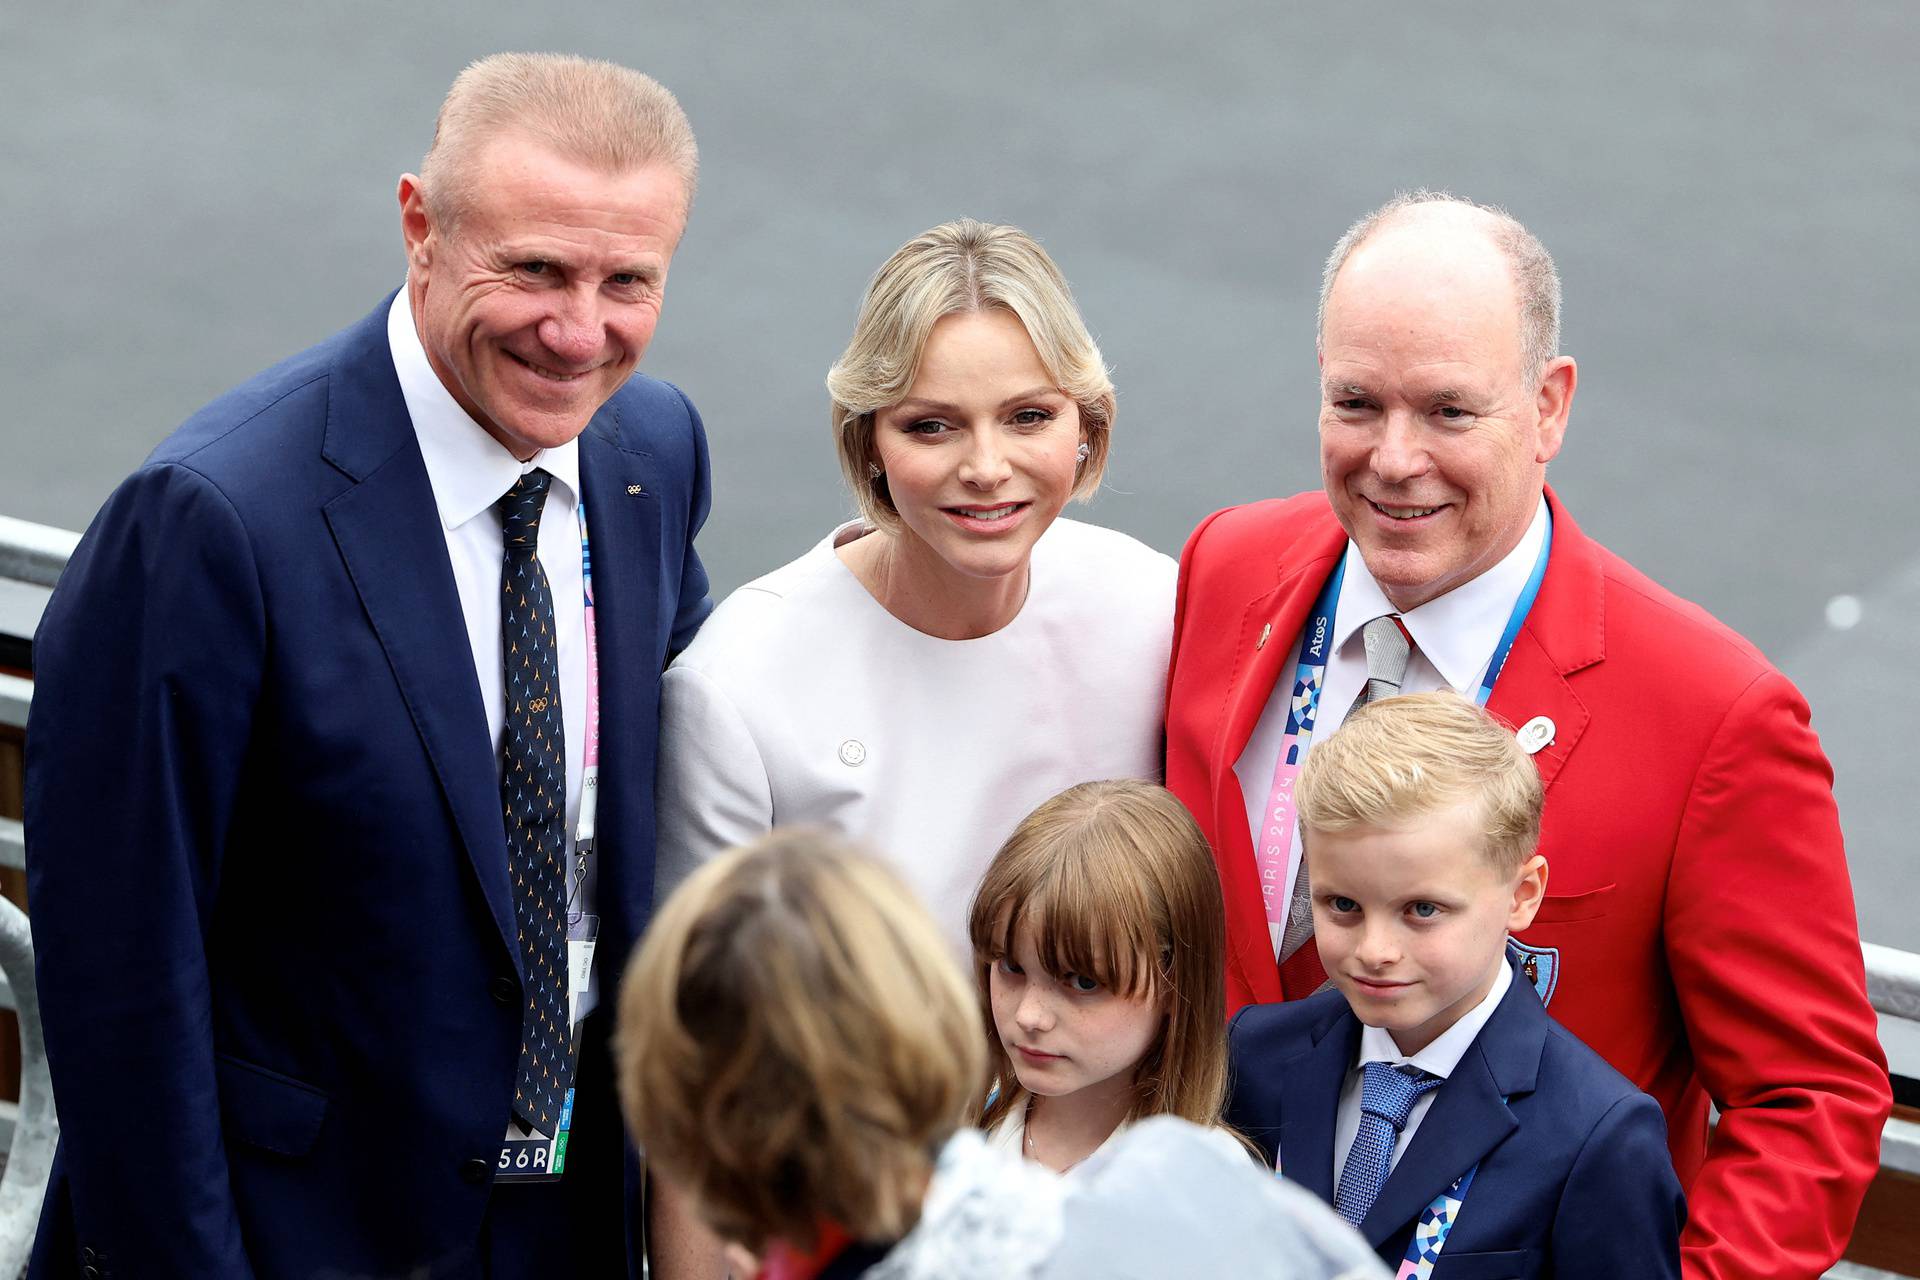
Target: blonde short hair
{"x":1397,"y":760}
{"x":599,"y":114}
{"x":795,"y":1042}
{"x":1117,"y":884}
{"x":960,"y":267}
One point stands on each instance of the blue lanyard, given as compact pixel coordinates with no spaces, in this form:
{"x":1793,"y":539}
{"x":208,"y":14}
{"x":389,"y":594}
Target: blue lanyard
{"x":1319,"y":632}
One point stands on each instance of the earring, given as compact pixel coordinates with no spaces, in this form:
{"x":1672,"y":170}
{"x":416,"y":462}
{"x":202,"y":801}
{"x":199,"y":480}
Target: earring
{"x":873,"y":471}
{"x":1084,"y":451}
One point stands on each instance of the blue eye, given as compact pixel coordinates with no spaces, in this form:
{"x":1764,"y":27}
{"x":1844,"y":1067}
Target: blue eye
{"x":925,"y":427}
{"x":1006,"y":965}
{"x":1425,"y":910}
{"x":1342,"y":905}
{"x":1084,"y":985}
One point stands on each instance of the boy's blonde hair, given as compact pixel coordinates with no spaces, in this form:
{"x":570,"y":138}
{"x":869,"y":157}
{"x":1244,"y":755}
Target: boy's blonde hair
{"x":796,"y":1043}
{"x":1117,"y":884}
{"x":1398,"y":760}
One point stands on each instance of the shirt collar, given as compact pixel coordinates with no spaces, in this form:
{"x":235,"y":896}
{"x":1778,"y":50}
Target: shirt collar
{"x":1444,"y":1054}
{"x":1456,"y":631}
{"x":468,"y":469}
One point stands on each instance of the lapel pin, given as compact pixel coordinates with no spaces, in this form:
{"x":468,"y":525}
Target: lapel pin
{"x":1535,"y":734}
{"x":634,"y":489}
{"x":1265,"y":631}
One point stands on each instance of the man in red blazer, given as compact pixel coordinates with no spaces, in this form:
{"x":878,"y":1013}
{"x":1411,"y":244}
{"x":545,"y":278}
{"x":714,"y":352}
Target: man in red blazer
{"x":1699,"y":929}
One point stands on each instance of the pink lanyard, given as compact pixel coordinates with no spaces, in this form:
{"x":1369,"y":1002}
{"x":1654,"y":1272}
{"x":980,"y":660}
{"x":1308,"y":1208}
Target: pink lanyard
{"x":590,"y":759}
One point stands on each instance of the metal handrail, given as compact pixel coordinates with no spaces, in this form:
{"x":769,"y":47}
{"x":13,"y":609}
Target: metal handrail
{"x":34,"y":553}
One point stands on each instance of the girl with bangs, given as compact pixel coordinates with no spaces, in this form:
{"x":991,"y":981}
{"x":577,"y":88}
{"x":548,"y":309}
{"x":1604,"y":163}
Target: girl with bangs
{"x":1099,"y":944}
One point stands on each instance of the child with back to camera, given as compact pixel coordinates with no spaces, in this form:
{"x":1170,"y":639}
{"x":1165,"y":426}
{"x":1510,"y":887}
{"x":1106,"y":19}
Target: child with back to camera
{"x":1098,"y":941}
{"x":1429,"y":1098}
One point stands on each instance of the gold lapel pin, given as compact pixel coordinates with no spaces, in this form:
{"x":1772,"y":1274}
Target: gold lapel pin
{"x":1265,"y":631}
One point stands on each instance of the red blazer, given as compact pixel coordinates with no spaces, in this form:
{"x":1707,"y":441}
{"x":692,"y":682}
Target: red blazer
{"x":1698,"y":895}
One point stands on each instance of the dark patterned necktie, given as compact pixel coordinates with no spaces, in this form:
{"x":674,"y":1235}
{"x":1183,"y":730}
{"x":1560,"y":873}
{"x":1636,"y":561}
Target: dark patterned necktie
{"x":533,"y":787}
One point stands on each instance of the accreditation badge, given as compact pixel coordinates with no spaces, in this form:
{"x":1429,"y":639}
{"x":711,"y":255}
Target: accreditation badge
{"x":526,"y":1154}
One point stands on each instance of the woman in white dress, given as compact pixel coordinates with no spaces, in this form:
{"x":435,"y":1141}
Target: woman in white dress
{"x":931,"y":671}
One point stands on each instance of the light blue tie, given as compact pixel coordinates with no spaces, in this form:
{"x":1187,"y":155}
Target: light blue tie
{"x":1387,"y":1095}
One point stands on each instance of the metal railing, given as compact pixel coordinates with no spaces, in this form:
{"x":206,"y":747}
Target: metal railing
{"x":35,"y":554}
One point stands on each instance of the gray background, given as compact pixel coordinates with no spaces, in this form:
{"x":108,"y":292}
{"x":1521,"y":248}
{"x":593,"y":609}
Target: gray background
{"x":191,"y":191}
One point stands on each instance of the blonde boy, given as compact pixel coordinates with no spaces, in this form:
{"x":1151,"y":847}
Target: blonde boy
{"x":1431,"y":1069}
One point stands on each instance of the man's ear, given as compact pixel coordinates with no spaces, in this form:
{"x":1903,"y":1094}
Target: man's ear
{"x":1528,"y":890}
{"x":1554,"y":401}
{"x":416,"y":223}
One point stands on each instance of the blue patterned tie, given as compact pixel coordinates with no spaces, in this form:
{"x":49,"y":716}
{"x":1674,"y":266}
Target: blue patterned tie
{"x":533,"y":787}
{"x":1387,"y":1095}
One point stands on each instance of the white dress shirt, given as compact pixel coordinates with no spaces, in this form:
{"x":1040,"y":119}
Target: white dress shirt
{"x":1454,"y":636}
{"x":470,"y":471}
{"x":1438,"y":1058}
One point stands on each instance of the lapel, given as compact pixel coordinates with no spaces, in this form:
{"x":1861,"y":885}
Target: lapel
{"x":1564,"y":633}
{"x":389,"y":535}
{"x":1310,"y":1102}
{"x":1469,"y":1116}
{"x":623,"y":531}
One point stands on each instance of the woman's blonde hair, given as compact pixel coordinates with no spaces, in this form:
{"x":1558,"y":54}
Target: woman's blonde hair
{"x":1117,"y":884}
{"x":960,"y":267}
{"x":795,"y":1043}
{"x":1396,"y":761}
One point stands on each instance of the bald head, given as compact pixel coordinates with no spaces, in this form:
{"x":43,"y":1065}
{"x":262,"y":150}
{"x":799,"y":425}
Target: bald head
{"x":1438,"y":413}
{"x":1462,"y":243}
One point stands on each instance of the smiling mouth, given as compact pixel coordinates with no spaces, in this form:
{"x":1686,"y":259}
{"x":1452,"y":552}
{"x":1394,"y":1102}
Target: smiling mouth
{"x":987,"y":515}
{"x":550,"y":375}
{"x":1375,"y":987}
{"x":1403,"y":513}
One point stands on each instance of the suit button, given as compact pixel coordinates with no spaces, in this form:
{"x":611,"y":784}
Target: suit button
{"x":90,"y":1271}
{"x":474,"y":1171}
{"x":506,"y":992}
{"x":88,"y":1256}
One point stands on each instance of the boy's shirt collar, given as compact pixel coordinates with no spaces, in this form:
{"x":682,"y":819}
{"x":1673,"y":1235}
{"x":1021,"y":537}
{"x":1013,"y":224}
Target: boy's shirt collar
{"x":1444,"y":1054}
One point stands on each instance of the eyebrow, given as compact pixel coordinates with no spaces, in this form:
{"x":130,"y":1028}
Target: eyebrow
{"x":1448,"y":395}
{"x":921,"y":403}
{"x":516,"y":254}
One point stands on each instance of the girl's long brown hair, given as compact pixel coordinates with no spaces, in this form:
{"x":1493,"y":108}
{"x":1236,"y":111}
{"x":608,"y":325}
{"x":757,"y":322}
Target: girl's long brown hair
{"x":1117,"y":884}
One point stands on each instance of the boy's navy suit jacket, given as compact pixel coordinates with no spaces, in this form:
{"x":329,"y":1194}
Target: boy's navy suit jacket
{"x":1574,"y":1178}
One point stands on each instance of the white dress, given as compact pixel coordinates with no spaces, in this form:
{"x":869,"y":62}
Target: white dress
{"x":1159,"y":1199}
{"x":1010,"y":1135}
{"x":802,"y":700}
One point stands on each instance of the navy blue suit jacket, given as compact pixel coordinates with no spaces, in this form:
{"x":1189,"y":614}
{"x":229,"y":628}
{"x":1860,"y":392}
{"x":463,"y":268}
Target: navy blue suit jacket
{"x":1574,"y":1178}
{"x":271,"y":909}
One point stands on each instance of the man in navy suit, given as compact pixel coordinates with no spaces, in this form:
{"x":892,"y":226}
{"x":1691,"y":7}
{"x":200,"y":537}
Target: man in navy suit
{"x":1428,"y":1097}
{"x":324,"y":975}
